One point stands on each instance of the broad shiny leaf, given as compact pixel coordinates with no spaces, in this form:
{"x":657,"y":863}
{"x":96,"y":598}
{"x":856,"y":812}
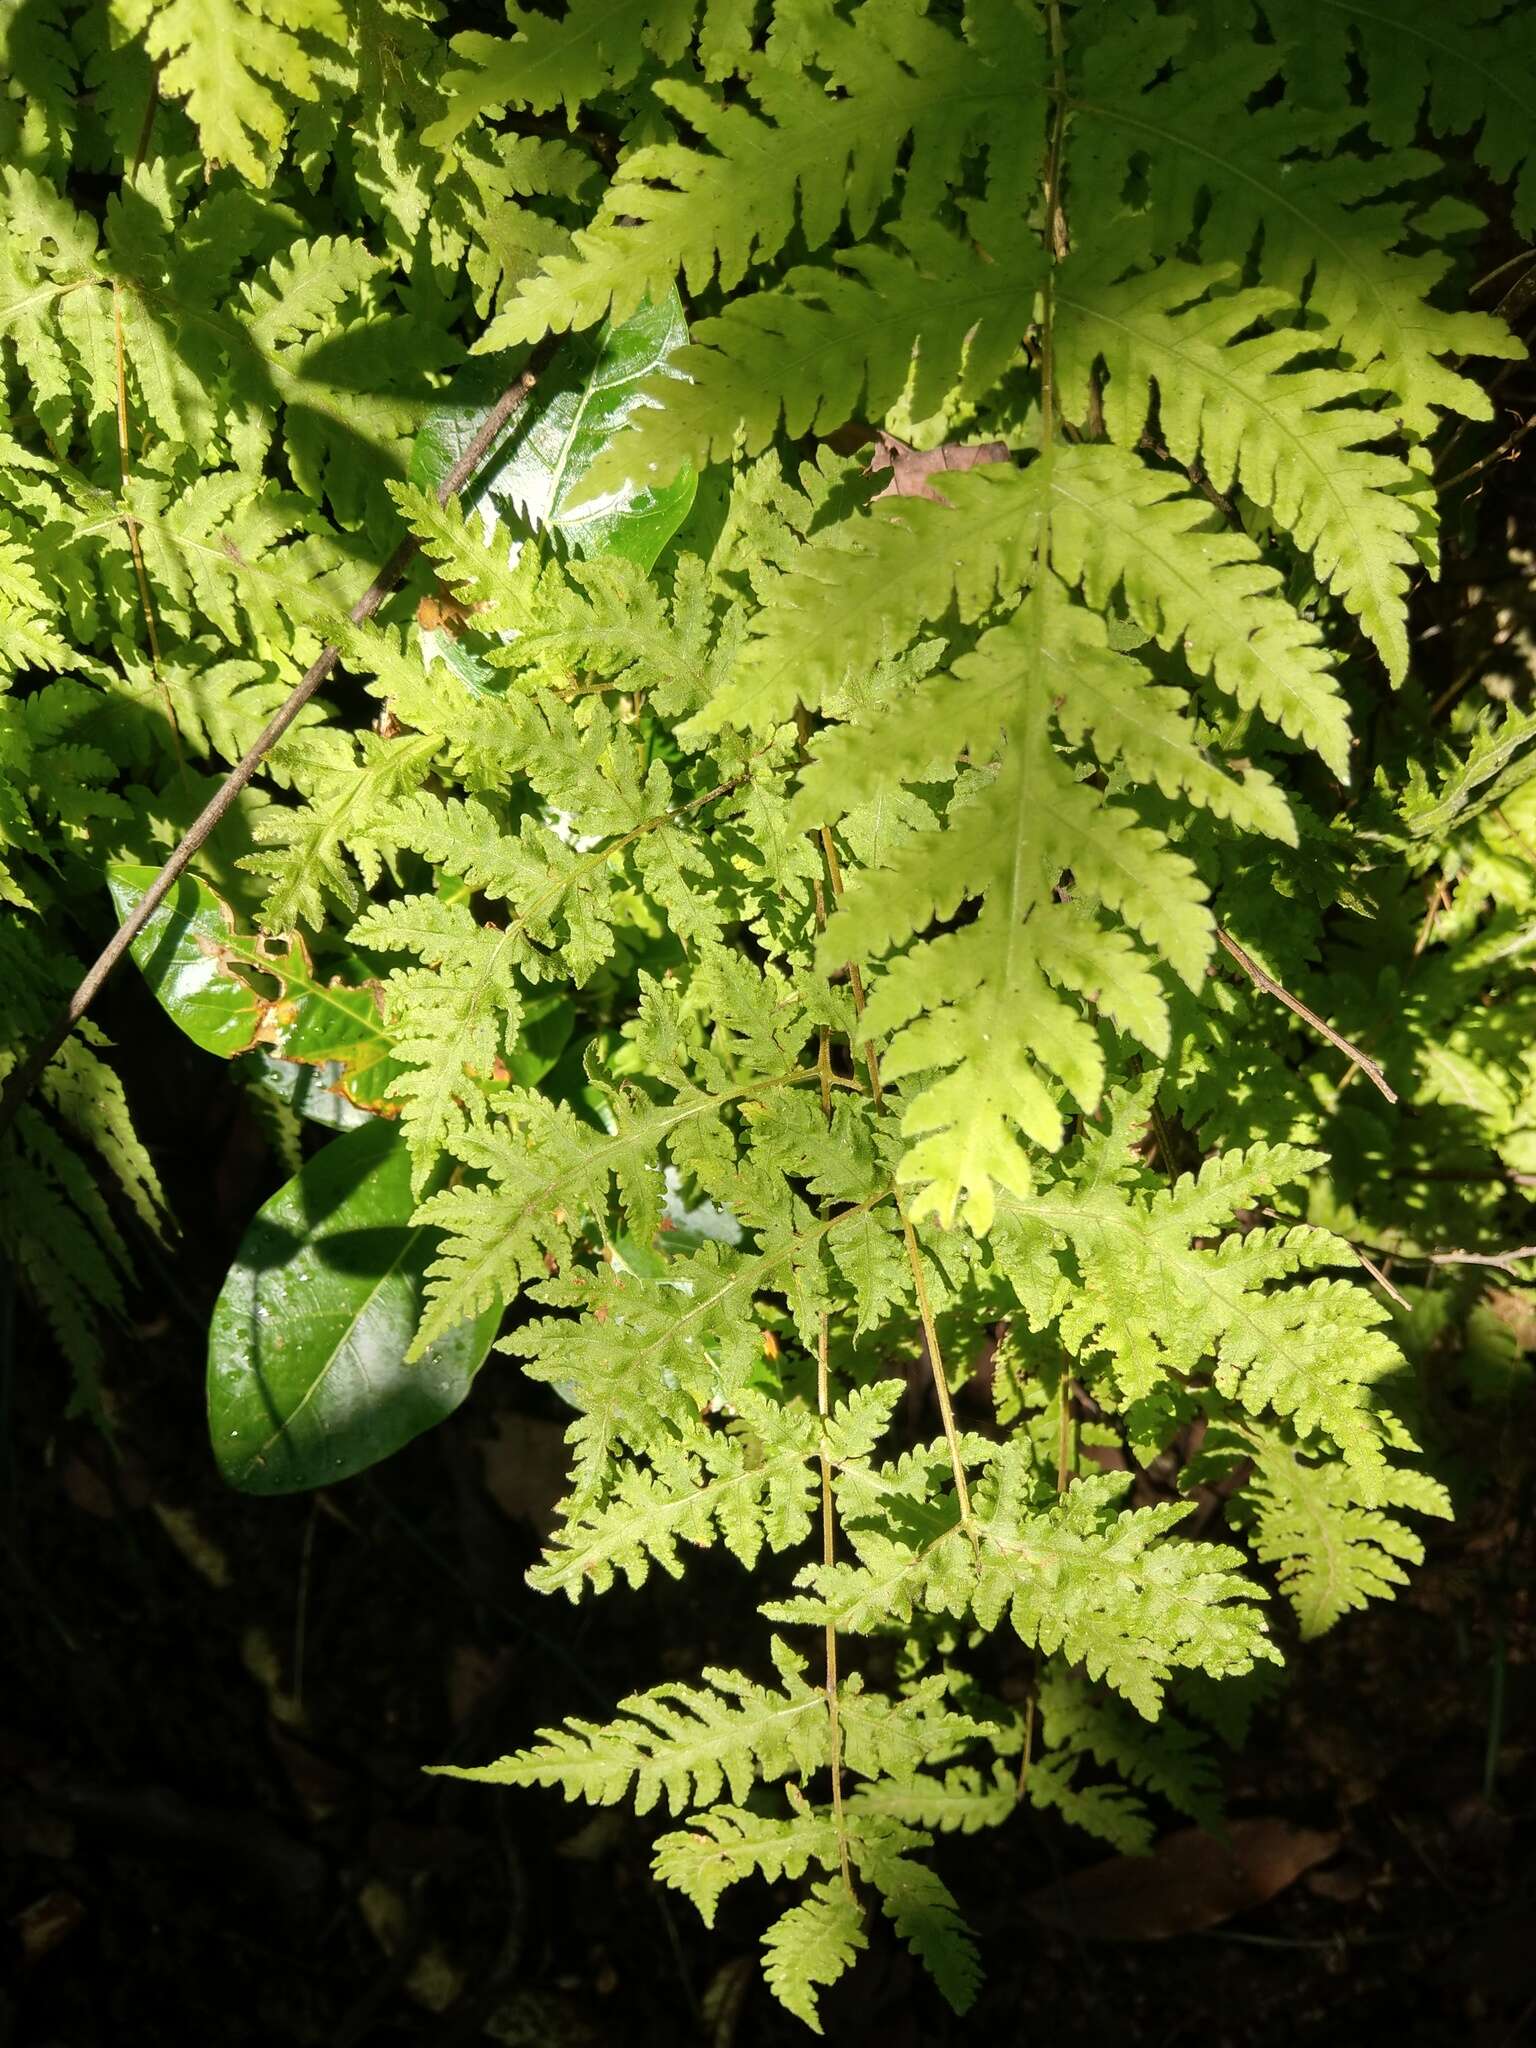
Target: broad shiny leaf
{"x":185,"y":955}
{"x":538,"y":468}
{"x":307,"y":1380}
{"x":232,"y":992}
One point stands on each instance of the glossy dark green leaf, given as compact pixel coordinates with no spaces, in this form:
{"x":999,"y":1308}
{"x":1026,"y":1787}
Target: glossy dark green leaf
{"x":318,"y":1092}
{"x":539,"y":467}
{"x":307,"y":1380}
{"x":184,"y":954}
{"x":234,"y":991}
{"x":543,"y":1034}
{"x":332,"y":1025}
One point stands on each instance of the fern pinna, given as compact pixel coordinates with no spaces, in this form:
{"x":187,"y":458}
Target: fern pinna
{"x":867,"y":832}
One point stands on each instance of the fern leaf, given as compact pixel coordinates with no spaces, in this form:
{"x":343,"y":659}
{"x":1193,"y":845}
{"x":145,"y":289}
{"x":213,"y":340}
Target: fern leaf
{"x":688,"y":1339}
{"x":562,"y":62}
{"x":810,"y":1947}
{"x":798,"y":162}
{"x":1157,"y":1304}
{"x":452,"y":1017}
{"x":922,"y":1909}
{"x":546,"y":1171}
{"x":328,"y":849}
{"x":752,"y":1481}
{"x":719,"y":1848}
{"x":1165,"y":1758}
{"x":1103,"y":520}
{"x":1301,"y":441}
{"x":1331,"y":237}
{"x":830,"y":345}
{"x":945,"y":1002}
{"x":963,"y":1801}
{"x":1462,"y":64}
{"x":1337,"y":1544}
{"x":1074,"y":1576}
{"x":684,"y":1743}
{"x":237,"y":66}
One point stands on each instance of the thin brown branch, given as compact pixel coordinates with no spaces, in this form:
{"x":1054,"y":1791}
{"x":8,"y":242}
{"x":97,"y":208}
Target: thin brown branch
{"x":1271,"y":987}
{"x":25,"y":1078}
{"x":1505,"y":449}
{"x":1505,"y":1262}
{"x":1380,"y":1277}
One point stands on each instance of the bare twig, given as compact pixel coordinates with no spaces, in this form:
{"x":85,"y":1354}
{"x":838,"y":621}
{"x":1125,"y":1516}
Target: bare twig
{"x":1504,"y":449}
{"x":1380,"y":1277}
{"x":1504,"y":1261}
{"x":25,"y":1078}
{"x":1271,"y":987}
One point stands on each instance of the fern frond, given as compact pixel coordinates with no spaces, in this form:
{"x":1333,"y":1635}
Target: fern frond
{"x":752,"y":1481}
{"x":328,"y":849}
{"x":963,"y":1801}
{"x":1156,"y":1302}
{"x":452,"y":1017}
{"x":1074,"y":1575}
{"x":945,"y":1002}
{"x":1101,"y":519}
{"x":689,"y":1744}
{"x":1461,"y":64}
{"x":830,"y":345}
{"x":1302,"y":441}
{"x":798,"y":162}
{"x":920,"y":1906}
{"x":547,"y":63}
{"x":239,"y":67}
{"x":719,"y":1848}
{"x":1165,"y":1758}
{"x":810,"y":1947}
{"x":1331,"y":236}
{"x":547,"y":1171}
{"x":1337,"y":1543}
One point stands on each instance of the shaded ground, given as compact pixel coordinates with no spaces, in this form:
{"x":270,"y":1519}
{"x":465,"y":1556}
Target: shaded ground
{"x":214,"y":1824}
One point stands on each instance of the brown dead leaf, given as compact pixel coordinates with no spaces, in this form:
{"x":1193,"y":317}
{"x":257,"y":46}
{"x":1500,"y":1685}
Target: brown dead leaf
{"x":724,"y":1996}
{"x":473,"y":1674}
{"x":86,"y":1489}
{"x":1191,"y":1881}
{"x":912,"y":467}
{"x":48,"y":1921}
{"x":442,"y":612}
{"x":1517,"y":1310}
{"x":320,"y":1786}
{"x":525,"y":1465}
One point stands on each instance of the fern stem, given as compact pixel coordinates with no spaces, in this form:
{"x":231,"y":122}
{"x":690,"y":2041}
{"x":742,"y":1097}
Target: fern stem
{"x":914,"y":1258}
{"x":940,"y":1382}
{"x":828,"y":1558}
{"x":1027,"y":1751}
{"x":824,"y":1410}
{"x":1066,"y":1431}
{"x":135,"y":549}
{"x":1055,"y":228}
{"x":855,"y":977}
